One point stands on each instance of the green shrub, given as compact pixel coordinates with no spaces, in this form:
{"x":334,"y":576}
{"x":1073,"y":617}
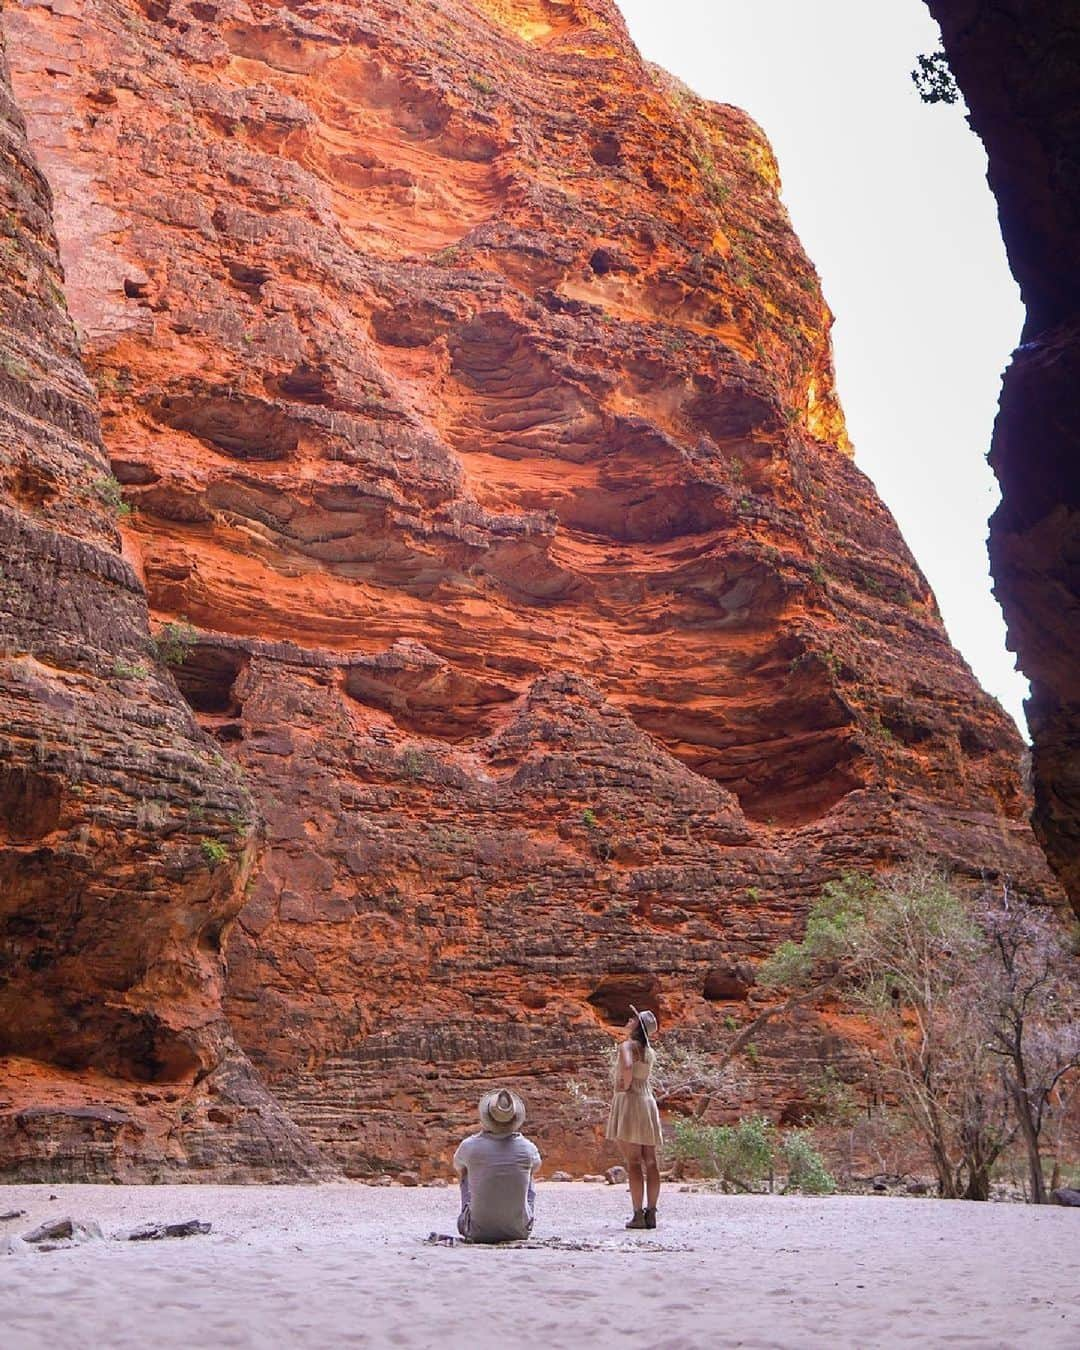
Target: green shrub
{"x":215,"y":852}
{"x":174,"y":641}
{"x":739,"y":1156}
{"x":806,"y":1170}
{"x":109,"y":491}
{"x":695,"y":1143}
{"x":130,"y":670}
{"x":743,"y":1157}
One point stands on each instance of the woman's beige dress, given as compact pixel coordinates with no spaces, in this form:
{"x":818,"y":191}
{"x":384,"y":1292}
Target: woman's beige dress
{"x":634,"y":1117}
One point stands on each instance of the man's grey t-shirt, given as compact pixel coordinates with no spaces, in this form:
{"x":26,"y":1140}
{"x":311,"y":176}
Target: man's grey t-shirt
{"x":497,"y":1185}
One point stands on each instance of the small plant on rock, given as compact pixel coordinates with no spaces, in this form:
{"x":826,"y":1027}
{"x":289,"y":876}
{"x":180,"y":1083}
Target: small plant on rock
{"x":18,"y":370}
{"x":109,"y":491}
{"x":130,"y":670}
{"x":174,"y":641}
{"x":215,"y":853}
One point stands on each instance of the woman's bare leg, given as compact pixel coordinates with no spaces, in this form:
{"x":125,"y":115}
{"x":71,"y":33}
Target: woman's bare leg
{"x":635,"y":1175}
{"x":652,"y":1175}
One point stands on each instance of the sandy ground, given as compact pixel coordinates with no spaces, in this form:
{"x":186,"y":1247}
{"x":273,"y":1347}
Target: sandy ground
{"x":347,"y":1265}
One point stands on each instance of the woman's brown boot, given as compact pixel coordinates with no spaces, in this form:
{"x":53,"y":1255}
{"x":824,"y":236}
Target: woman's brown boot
{"x":638,"y":1221}
{"x":650,"y":1217}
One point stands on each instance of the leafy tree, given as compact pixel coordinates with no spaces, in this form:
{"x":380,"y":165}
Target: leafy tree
{"x":903,"y":948}
{"x":970,"y":1002}
{"x":1032,"y":1019}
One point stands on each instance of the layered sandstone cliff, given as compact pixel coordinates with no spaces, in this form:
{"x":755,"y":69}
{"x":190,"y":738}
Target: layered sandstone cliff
{"x":125,"y":836}
{"x":1018,"y":65}
{"x":473,"y":400}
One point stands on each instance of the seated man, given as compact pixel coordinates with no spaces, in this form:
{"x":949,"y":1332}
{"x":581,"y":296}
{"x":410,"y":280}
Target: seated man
{"x":496,"y":1169}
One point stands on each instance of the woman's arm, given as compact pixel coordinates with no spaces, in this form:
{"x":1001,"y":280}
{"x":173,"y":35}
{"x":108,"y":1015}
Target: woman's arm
{"x":625,"y":1075}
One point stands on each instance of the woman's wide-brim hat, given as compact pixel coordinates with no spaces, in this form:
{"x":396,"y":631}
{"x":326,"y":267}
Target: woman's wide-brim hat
{"x":502,"y":1111}
{"x":646,"y":1021}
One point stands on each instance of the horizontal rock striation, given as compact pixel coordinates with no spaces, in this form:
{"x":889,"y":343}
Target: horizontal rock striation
{"x":125,"y":836}
{"x":1019,"y":68}
{"x":473,"y":399}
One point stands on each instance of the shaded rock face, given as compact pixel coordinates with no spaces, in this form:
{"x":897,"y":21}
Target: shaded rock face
{"x":114,"y":1053}
{"x":1017,"y":64}
{"x":474,"y":400}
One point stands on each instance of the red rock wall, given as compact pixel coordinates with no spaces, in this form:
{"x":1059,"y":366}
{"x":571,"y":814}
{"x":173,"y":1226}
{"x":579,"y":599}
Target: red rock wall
{"x":1018,"y":65}
{"x":115,"y":1058}
{"x":474,"y":401}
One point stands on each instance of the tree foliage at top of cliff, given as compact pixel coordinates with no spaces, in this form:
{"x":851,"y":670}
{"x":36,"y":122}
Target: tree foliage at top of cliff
{"x":934,"y":79}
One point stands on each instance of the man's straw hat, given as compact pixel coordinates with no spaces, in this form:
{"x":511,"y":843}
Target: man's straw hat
{"x":502,"y":1111}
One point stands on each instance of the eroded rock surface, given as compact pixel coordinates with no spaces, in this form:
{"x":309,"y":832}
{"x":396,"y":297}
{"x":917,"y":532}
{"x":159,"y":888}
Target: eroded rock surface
{"x":114,"y":1053}
{"x":474,"y":399}
{"x":1018,"y":65}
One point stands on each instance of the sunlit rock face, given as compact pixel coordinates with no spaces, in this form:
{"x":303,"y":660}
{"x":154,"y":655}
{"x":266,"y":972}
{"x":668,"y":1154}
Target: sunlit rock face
{"x":474,"y":401}
{"x":125,"y":836}
{"x":1018,"y":65}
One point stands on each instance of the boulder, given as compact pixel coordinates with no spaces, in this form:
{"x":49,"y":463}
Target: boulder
{"x":154,"y":1232}
{"x":67,"y":1232}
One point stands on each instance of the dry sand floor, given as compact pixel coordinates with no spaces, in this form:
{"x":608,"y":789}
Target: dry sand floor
{"x":347,"y":1265}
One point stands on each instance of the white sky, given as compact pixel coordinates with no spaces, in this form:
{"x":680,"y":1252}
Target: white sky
{"x":889,"y":198}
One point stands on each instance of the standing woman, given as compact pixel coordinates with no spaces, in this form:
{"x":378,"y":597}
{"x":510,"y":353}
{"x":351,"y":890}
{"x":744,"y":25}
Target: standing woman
{"x":634,"y":1119}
